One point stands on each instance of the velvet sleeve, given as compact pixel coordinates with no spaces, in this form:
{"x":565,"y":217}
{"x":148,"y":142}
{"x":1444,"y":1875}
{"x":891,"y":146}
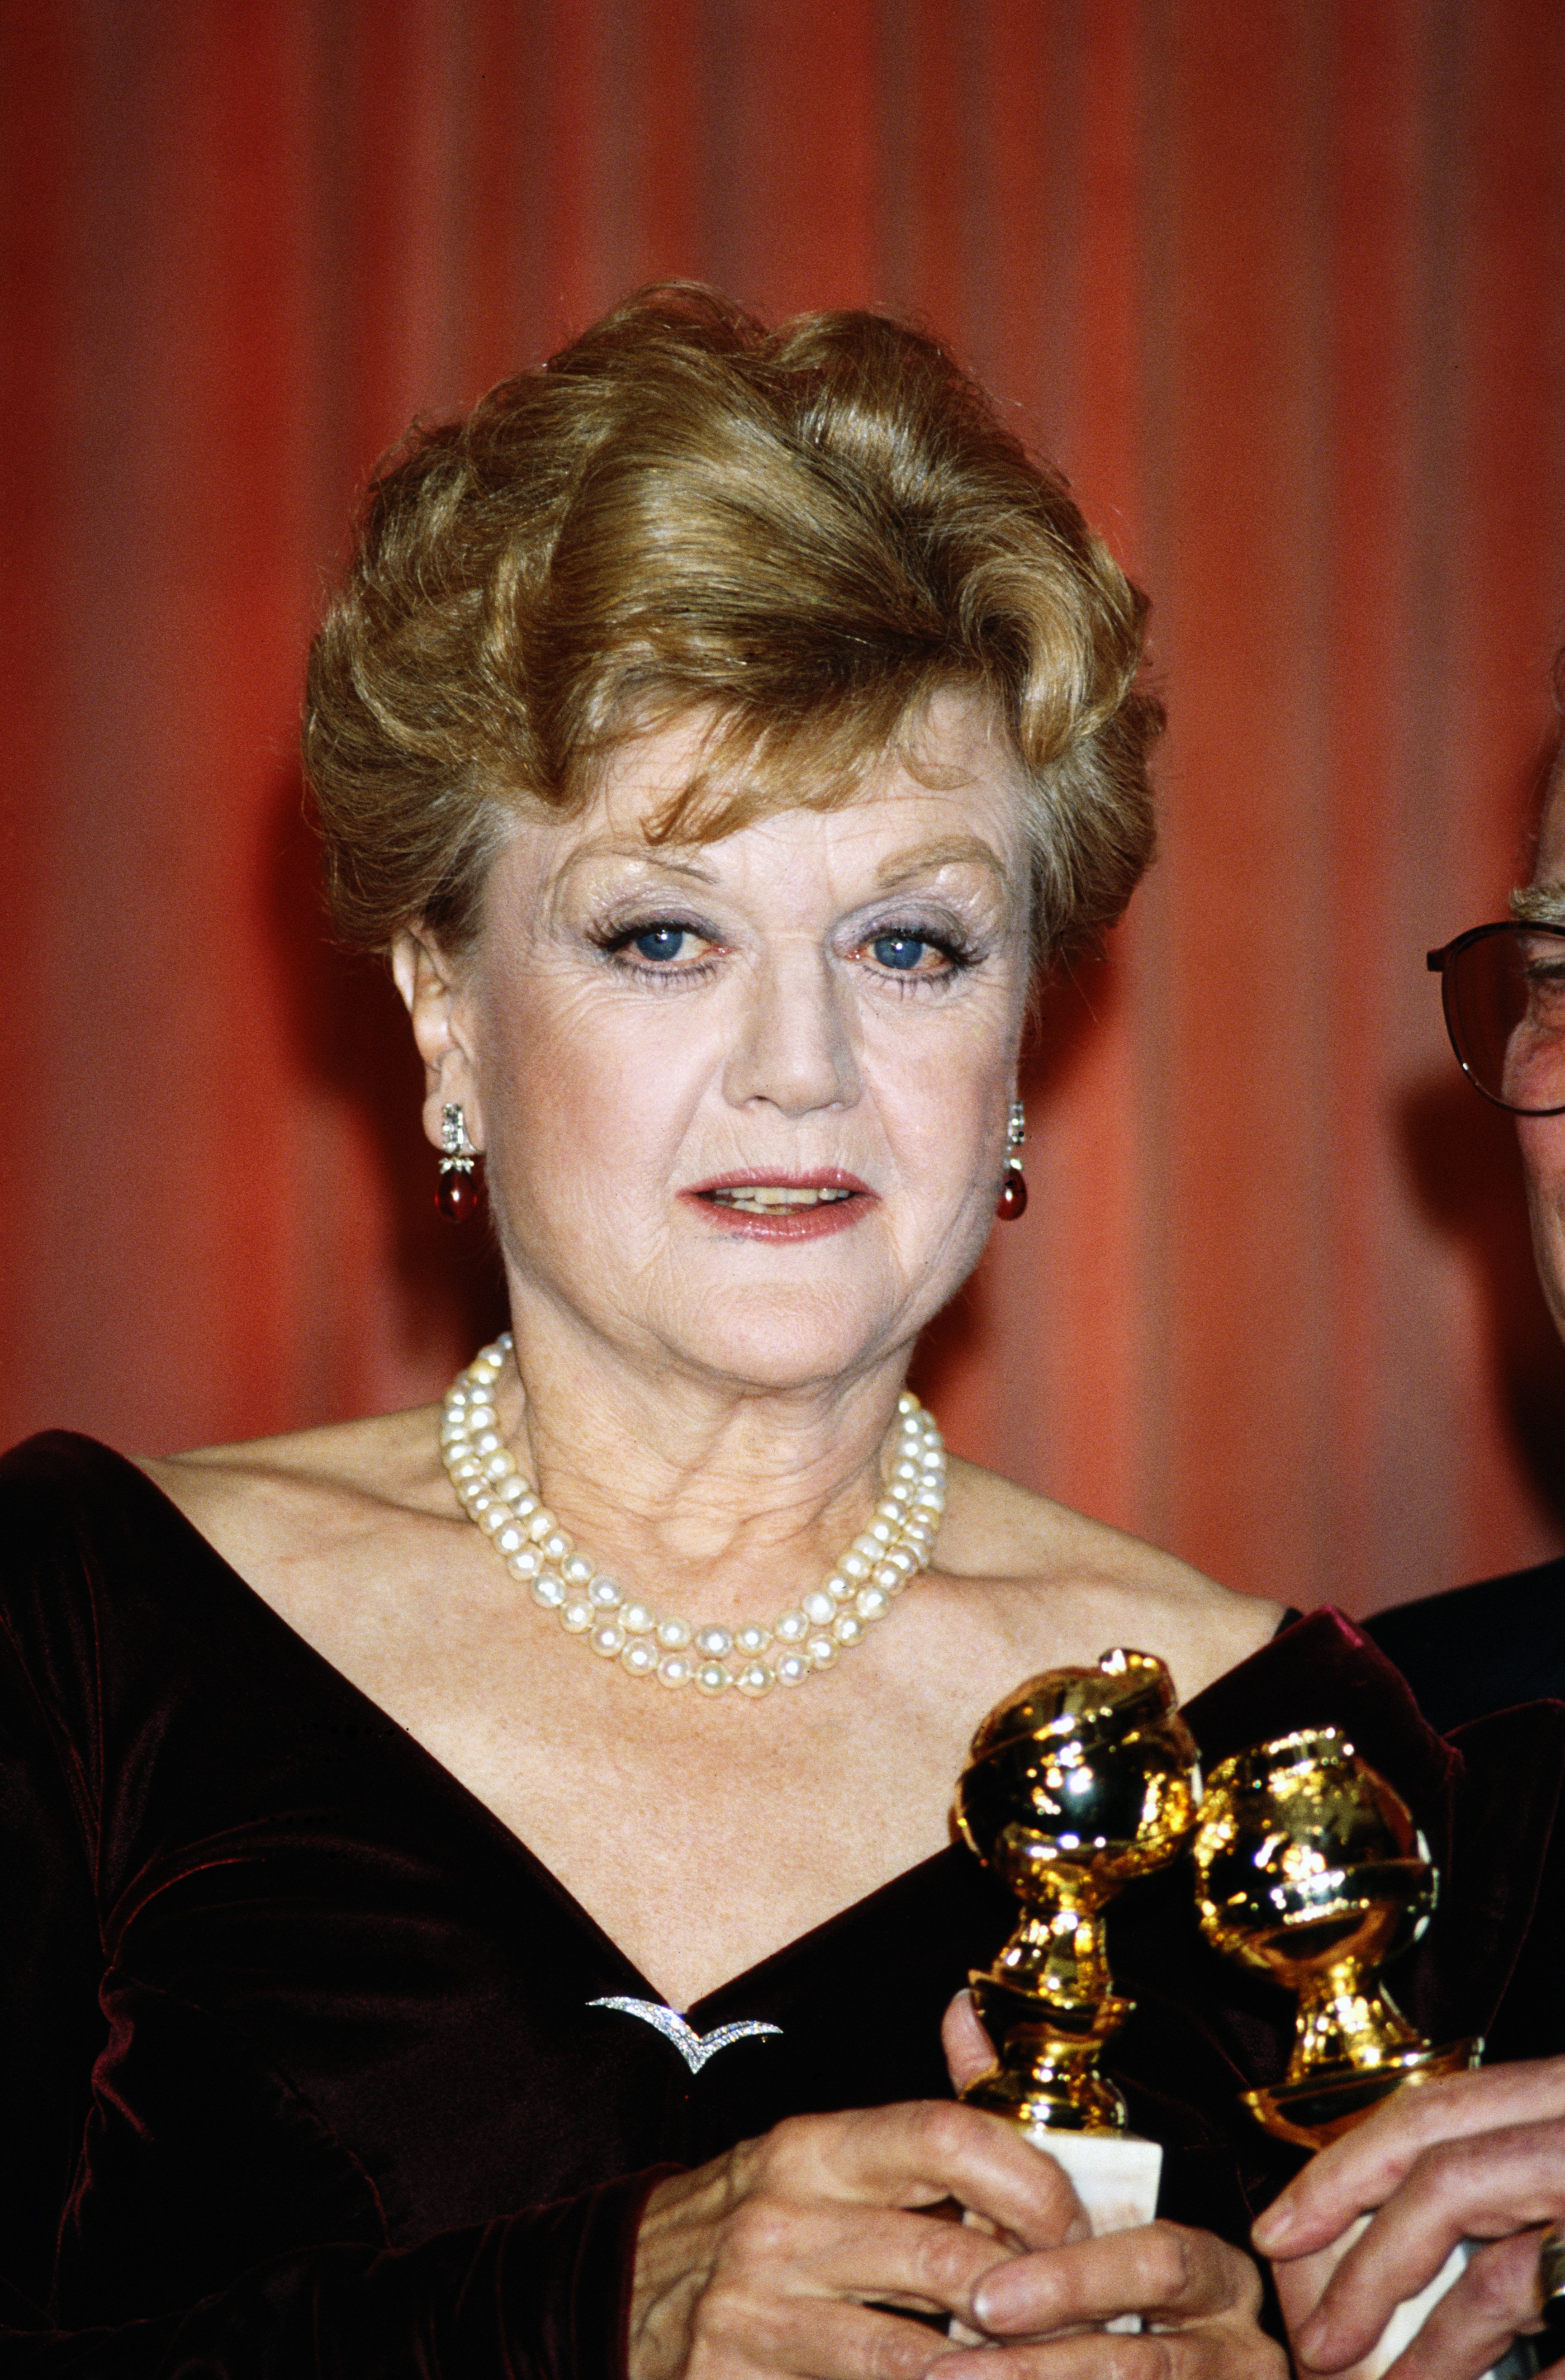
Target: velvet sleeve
{"x":537,"y":2294}
{"x":542,"y":2293}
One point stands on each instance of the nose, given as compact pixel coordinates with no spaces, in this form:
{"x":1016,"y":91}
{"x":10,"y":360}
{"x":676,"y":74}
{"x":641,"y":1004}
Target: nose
{"x":793,"y":1049}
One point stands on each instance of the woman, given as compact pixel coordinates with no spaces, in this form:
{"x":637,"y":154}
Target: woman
{"x":716,"y":728}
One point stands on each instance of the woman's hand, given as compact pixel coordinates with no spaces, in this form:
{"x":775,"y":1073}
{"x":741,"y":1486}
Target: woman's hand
{"x":1479,"y":2156}
{"x":783,"y":2256}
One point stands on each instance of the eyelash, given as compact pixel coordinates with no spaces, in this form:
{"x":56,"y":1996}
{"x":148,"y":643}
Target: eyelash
{"x":953,"y":947}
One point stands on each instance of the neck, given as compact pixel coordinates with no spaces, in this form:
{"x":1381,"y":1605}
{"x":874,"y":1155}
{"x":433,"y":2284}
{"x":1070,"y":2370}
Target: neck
{"x":730,"y":1499}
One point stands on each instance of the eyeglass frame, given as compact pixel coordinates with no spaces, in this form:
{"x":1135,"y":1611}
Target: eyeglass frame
{"x":1435,"y":961}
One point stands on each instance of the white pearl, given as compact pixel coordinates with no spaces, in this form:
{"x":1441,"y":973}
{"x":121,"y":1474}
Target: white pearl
{"x":890,"y":1550}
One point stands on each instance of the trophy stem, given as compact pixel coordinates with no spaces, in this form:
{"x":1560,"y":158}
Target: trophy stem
{"x":1345,"y":2019}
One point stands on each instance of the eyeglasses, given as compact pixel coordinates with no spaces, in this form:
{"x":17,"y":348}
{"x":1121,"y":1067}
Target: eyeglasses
{"x":1503,"y":988}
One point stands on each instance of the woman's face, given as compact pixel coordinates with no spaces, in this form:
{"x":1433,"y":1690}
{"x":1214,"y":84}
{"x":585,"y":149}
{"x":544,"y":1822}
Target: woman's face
{"x":743,"y":1103}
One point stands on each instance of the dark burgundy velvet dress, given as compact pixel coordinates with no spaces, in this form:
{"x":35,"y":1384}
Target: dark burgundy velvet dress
{"x":301,"y":2069}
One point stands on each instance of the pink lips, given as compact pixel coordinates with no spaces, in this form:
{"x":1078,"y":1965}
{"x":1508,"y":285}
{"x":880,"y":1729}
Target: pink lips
{"x":789,"y":1212}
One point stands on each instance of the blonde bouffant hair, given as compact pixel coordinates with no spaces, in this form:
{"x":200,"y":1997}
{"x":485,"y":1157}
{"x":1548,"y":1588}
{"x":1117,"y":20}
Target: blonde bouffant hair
{"x":796,"y":536}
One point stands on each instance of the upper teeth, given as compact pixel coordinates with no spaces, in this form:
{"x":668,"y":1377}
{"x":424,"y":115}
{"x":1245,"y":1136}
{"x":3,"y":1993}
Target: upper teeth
{"x":775,"y":1193}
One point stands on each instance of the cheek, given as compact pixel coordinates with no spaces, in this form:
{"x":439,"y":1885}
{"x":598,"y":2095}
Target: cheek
{"x":571,"y":1092}
{"x":946,"y":1091}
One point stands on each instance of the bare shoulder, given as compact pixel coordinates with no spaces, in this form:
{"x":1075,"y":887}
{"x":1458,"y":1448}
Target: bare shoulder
{"x":271,"y":1501}
{"x":1078,"y":1584}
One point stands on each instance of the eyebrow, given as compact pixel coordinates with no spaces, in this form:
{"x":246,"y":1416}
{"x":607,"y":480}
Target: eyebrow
{"x":953,"y":851}
{"x":650,"y":855}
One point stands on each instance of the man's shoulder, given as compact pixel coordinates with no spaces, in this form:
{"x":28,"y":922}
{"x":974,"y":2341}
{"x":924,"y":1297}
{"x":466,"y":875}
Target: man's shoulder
{"x":1480,"y":1649}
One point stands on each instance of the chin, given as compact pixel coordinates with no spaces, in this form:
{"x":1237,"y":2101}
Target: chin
{"x":778,"y":1339}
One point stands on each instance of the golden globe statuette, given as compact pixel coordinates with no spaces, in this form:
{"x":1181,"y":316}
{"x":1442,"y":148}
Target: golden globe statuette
{"x":1309,"y":1866}
{"x":1077,"y":1782}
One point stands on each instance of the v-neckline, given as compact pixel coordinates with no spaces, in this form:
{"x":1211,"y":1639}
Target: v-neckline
{"x":514,"y":1846}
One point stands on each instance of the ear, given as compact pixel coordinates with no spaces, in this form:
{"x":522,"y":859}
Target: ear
{"x":431,"y":991}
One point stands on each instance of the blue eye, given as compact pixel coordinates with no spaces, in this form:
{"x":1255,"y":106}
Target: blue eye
{"x":901,"y":951}
{"x":660,"y":942}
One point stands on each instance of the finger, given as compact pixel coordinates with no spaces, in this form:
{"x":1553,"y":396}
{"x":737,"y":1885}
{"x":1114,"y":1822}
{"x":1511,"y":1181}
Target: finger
{"x":969,"y":2052}
{"x":916,"y":2154}
{"x":874,"y":2254}
{"x":1476,"y":2323}
{"x":816,"y":2338}
{"x":1215,"y":2351}
{"x":1160,"y":2270}
{"x":1486,"y":2187}
{"x":1363,"y":2168}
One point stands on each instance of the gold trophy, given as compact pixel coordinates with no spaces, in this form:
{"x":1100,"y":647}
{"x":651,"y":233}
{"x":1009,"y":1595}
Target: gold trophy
{"x":1309,"y":1866}
{"x":1078,"y":1781}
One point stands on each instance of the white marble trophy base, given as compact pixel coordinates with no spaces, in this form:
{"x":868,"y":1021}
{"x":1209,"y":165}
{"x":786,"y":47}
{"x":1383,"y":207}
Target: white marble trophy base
{"x":1115,"y":2175}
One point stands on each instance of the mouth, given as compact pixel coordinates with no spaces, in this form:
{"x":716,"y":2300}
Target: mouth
{"x":771,"y":1197}
{"x":785,"y":1206}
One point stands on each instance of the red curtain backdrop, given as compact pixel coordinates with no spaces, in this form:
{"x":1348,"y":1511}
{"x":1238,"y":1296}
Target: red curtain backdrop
{"x":1282,"y":285}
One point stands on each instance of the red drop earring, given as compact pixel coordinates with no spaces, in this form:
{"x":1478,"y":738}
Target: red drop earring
{"x":1012,"y":1204}
{"x":457,"y":1193}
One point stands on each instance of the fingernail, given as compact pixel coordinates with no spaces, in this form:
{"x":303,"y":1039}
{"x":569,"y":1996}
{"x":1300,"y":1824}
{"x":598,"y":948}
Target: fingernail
{"x":1271,"y":2230}
{"x":1313,"y":2336}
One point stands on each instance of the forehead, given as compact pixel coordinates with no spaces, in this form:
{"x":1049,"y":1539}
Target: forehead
{"x":957,"y":798}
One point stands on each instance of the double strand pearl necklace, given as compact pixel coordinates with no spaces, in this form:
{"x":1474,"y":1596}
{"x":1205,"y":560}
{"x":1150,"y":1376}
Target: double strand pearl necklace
{"x":621,"y":1627}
